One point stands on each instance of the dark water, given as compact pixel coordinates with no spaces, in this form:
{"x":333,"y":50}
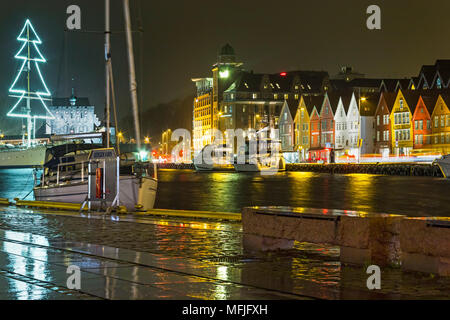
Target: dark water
{"x":229,"y":191}
{"x":224,"y":191}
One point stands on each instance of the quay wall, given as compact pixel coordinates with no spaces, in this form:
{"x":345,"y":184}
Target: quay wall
{"x":395,"y":169}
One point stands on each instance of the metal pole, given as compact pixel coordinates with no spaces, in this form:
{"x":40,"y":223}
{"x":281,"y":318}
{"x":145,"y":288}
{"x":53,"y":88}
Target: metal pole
{"x":29,"y":123}
{"x":133,"y":84}
{"x":107,"y":56}
{"x":114,"y":105}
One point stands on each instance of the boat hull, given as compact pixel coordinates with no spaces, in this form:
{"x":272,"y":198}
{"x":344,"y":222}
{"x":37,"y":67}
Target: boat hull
{"x":444,"y":165}
{"x":133,"y":191}
{"x":22,"y":158}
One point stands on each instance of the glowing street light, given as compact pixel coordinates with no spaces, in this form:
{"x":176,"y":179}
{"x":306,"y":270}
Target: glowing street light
{"x":224,"y":74}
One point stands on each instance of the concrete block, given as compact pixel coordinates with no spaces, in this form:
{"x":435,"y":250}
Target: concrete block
{"x":253,"y":242}
{"x":427,"y":264}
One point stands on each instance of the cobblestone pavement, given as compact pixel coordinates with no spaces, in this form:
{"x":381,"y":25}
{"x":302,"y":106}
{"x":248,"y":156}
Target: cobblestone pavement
{"x":130,"y":257}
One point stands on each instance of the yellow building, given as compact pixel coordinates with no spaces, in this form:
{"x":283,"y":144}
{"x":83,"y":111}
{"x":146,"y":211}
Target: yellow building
{"x":440,"y":119}
{"x":302,"y":124}
{"x":401,"y":124}
{"x":203,"y":121}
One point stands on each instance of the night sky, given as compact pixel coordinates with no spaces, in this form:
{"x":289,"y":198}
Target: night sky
{"x":181,"y":40}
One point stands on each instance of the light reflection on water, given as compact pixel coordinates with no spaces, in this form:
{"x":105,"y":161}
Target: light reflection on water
{"x":230,"y":192}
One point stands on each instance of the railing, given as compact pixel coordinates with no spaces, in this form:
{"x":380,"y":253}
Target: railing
{"x":61,"y":165}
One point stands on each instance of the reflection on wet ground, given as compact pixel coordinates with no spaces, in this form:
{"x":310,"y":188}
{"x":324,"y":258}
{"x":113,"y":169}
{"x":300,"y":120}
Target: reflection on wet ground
{"x":131,"y":257}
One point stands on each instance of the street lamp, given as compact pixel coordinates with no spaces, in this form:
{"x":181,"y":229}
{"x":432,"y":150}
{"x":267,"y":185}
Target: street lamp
{"x":361,"y":99}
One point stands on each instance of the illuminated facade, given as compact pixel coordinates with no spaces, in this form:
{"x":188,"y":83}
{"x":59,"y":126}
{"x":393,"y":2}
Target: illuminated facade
{"x":302,"y":124}
{"x":422,"y":125}
{"x":249,"y":101}
{"x":203,"y":115}
{"x":401,"y":124}
{"x":71,"y":115}
{"x":440,"y":119}
{"x":383,"y":141}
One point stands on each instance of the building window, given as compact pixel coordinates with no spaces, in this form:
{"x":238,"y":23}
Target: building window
{"x":428,"y":124}
{"x":401,"y":104}
{"x":436,"y":121}
{"x":378,"y":120}
{"x":275,"y":96}
{"x":286,"y":96}
{"x":255,"y":95}
{"x":442,"y":121}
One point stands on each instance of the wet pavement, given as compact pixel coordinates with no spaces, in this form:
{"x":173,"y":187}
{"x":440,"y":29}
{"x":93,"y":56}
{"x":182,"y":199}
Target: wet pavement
{"x":141,"y":257}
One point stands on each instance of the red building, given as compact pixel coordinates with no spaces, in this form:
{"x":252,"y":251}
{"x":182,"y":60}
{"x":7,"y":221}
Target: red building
{"x":421,"y":121}
{"x":314,"y":135}
{"x":382,"y":123}
{"x":327,"y":112}
{"x":322,"y":136}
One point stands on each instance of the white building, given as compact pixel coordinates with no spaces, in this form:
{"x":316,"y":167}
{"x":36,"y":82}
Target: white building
{"x":286,"y":126}
{"x":340,"y":121}
{"x":72,"y":115}
{"x":353,"y":129}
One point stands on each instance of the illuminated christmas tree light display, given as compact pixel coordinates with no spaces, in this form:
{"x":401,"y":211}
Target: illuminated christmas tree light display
{"x":26,"y":89}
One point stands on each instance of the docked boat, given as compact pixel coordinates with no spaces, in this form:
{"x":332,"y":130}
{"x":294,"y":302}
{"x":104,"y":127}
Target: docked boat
{"x":67,"y":180}
{"x":12,"y":157}
{"x":265,"y":158}
{"x":214,"y":158}
{"x":444,"y":165}
{"x":96,"y":177}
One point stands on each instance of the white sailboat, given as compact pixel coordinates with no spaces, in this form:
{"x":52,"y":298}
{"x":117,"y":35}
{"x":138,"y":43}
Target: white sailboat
{"x":137,"y":188}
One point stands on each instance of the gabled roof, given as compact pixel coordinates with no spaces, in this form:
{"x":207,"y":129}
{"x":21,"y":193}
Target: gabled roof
{"x":427,"y":73}
{"x":313,"y":101}
{"x":346,"y":99}
{"x":411,"y":97}
{"x":446,"y":98}
{"x":333,"y":97}
{"x":389,"y":98}
{"x":430,"y":102}
{"x":444,"y":75}
{"x":403,"y":84}
{"x":390,"y":84}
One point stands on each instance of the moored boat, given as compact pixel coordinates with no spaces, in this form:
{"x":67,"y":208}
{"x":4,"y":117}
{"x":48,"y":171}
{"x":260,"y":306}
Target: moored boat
{"x":444,"y":165}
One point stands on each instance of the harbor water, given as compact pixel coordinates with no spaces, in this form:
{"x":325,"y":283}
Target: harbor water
{"x":230,"y":191}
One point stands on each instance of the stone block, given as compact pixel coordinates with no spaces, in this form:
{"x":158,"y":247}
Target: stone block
{"x":427,"y":264}
{"x":253,"y":242}
{"x":376,"y":235}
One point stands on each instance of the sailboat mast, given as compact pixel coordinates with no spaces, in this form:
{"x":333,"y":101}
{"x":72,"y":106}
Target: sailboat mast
{"x":107,"y":57}
{"x":28,"y":91}
{"x":133,"y":85}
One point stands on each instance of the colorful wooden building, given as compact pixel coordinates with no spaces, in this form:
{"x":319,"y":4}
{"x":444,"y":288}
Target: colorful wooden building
{"x":421,"y":121}
{"x":440,"y":119}
{"x":401,"y":126}
{"x":383,"y":143}
{"x":302,"y":124}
